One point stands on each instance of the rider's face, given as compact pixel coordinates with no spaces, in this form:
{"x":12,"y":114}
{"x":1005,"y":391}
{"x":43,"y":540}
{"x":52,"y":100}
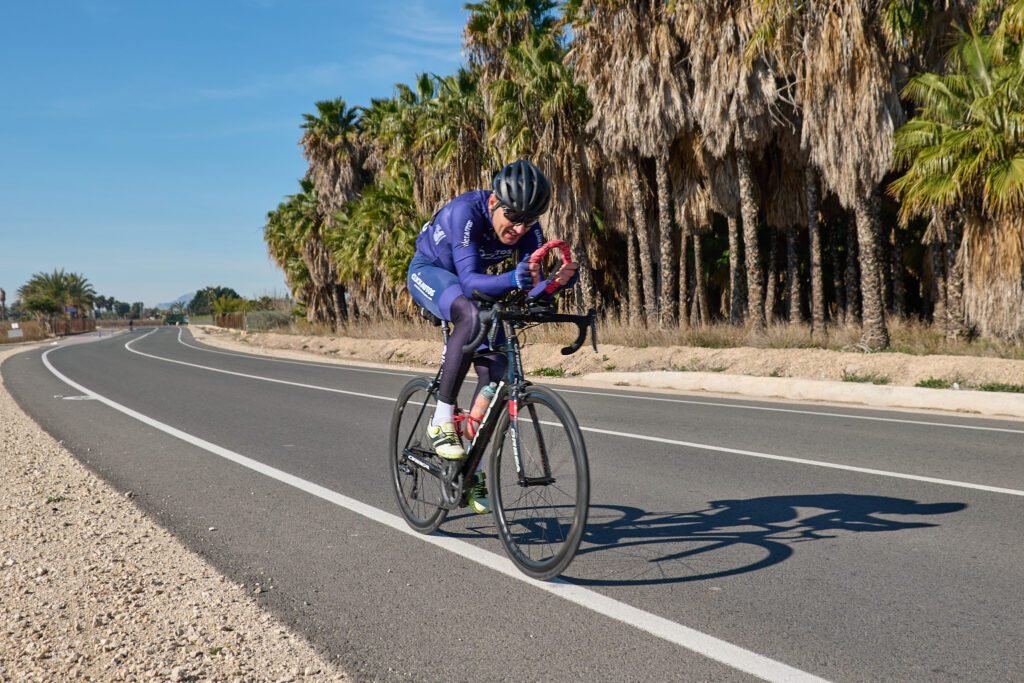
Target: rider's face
{"x":508,"y":232}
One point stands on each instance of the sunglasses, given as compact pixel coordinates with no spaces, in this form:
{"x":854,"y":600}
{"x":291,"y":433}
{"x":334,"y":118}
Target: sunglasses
{"x":518,"y":217}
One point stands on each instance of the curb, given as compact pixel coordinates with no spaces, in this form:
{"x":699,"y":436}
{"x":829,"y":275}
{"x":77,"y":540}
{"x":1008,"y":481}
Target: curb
{"x":977,"y":402}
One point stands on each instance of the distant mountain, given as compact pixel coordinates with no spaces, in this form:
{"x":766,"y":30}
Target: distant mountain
{"x":182,"y":300}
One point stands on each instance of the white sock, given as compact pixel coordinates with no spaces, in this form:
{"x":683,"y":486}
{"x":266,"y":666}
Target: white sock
{"x":442,"y":413}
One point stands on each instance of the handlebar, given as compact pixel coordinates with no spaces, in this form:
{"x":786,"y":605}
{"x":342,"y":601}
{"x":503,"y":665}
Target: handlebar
{"x":519,"y":310}
{"x":538,"y":254}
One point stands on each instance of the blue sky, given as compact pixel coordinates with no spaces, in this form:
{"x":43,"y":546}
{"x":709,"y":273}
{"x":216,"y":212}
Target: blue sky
{"x":142,"y":142}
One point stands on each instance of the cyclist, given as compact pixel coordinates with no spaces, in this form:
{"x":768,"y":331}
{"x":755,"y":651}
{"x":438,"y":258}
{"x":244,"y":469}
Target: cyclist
{"x":473,"y":231}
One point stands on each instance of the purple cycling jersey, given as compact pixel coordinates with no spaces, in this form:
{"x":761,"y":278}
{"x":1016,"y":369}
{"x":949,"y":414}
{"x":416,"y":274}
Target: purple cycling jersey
{"x":461,"y":239}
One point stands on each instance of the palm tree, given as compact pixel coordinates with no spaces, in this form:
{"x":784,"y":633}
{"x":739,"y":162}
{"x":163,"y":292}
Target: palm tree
{"x":636,"y":41}
{"x":375,"y":242}
{"x":51,"y":294}
{"x":330,"y":144}
{"x":453,"y":132}
{"x":733,"y":99}
{"x":541,"y":111}
{"x":964,"y":159}
{"x":295,"y":240}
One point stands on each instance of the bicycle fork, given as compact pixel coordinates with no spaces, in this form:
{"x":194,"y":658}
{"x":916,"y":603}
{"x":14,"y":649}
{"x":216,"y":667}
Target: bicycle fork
{"x":513,"y":415}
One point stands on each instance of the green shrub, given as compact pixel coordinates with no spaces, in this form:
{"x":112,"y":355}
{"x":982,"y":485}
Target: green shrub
{"x":549,"y":372}
{"x":871,"y":378}
{"x":935,"y":383}
{"x":999,"y":386}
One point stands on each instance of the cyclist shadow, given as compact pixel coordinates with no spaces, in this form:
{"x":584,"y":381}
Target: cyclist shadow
{"x":630,"y":546}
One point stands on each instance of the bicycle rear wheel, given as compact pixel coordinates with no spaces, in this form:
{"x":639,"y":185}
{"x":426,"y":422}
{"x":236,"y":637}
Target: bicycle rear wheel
{"x":542,"y":511}
{"x":418,"y":492}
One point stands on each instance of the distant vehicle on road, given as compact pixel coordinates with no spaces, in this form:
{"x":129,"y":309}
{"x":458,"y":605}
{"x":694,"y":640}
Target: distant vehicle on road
{"x":176,"y":319}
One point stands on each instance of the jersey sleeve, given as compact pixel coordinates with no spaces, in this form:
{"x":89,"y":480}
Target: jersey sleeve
{"x":466,"y":256}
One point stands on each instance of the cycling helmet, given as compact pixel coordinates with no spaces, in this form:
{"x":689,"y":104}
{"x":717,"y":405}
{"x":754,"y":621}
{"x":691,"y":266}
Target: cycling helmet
{"x":523,"y":190}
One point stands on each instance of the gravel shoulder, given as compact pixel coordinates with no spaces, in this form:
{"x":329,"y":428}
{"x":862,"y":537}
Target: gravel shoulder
{"x":92,"y":589}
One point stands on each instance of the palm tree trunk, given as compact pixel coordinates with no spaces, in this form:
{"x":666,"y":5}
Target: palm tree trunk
{"x":700,"y":287}
{"x":938,"y":289}
{"x":752,"y":254}
{"x":633,"y":273}
{"x":771,"y":279}
{"x":899,"y":289}
{"x":735,"y":303}
{"x":956,"y":328}
{"x":838,"y":285}
{"x":684,"y":318}
{"x":796,"y":314}
{"x":643,"y":240}
{"x":814,"y":231}
{"x":874,"y":334}
{"x":852,"y":278}
{"x":668,"y":283}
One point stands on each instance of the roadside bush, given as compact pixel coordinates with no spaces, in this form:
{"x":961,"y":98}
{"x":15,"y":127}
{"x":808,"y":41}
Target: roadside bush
{"x":267,"y":321}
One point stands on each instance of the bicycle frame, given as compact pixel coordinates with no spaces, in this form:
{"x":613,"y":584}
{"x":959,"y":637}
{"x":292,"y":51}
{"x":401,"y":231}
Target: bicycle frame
{"x":509,"y":391}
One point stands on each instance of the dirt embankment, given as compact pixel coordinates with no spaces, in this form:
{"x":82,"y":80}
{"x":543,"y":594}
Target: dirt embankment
{"x":894,"y":368}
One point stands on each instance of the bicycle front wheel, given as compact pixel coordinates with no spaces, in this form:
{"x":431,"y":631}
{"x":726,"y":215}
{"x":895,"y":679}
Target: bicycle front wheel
{"x":418,"y":491}
{"x":541,"y":505}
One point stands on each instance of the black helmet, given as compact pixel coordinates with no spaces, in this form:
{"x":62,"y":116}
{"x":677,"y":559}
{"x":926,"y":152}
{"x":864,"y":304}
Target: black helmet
{"x":523,"y":190}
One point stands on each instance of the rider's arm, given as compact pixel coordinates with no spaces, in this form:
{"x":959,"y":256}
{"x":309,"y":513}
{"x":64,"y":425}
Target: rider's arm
{"x":467,"y":267}
{"x":466,"y":256}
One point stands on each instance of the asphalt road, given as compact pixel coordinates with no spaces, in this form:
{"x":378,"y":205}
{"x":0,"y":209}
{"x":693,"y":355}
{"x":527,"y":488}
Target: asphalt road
{"x":728,"y":540}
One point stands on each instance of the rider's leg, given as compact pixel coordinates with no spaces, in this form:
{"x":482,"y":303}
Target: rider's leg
{"x":466,"y":317}
{"x":490,"y":367}
{"x":436,"y":289}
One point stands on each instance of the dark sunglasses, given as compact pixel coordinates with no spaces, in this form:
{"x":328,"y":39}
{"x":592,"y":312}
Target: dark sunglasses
{"x":518,"y":217}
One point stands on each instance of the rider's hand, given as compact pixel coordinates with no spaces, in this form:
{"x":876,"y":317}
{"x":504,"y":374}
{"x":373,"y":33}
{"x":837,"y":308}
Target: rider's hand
{"x":526,"y":274}
{"x":566,"y":273}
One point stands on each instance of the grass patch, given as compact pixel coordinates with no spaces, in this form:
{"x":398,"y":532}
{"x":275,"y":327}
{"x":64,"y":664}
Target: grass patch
{"x":50,"y":500}
{"x":935,"y":383}
{"x":999,"y":386}
{"x":870,"y":378}
{"x":549,"y":372}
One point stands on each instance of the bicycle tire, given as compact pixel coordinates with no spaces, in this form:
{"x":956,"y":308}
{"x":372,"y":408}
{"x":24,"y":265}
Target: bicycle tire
{"x":418,"y":493}
{"x":541,"y":525}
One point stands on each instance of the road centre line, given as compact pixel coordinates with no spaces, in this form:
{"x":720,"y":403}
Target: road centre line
{"x":696,"y":641}
{"x":802,"y":461}
{"x":816,"y":413}
{"x":639,"y":437}
{"x":289,"y":361}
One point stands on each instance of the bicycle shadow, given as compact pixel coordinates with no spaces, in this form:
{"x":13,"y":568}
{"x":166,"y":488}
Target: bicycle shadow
{"x":632,"y":546}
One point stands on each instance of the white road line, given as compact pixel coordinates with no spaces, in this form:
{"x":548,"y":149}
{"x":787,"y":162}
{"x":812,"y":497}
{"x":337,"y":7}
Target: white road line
{"x":643,"y":437}
{"x":673,"y":632}
{"x":128,"y":346}
{"x":802,"y":461}
{"x":817,"y":413}
{"x":311,"y":364}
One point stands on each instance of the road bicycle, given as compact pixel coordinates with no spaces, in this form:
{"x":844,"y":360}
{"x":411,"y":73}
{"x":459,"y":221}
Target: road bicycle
{"x":539,"y":478}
